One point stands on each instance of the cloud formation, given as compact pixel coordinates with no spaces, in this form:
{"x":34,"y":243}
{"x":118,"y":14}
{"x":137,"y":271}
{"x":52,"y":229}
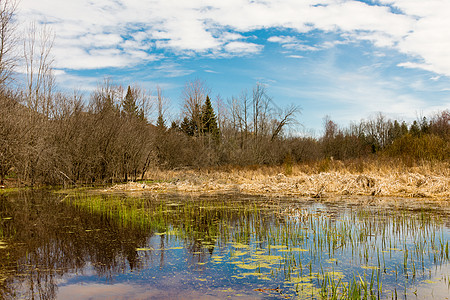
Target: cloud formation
{"x":119,"y":33}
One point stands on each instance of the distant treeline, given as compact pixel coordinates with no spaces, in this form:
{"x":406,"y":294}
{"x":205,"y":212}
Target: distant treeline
{"x":48,"y":137}
{"x":66,"y":140}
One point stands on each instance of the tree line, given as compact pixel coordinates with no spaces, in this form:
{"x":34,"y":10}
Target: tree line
{"x":109,"y":137}
{"x":50,"y":137}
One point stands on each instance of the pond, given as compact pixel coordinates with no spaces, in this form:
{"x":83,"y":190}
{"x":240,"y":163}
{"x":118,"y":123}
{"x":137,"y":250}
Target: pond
{"x":87,"y":246}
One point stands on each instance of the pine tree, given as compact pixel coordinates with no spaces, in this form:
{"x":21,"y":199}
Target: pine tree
{"x":414,"y":129}
{"x":209,"y":121}
{"x":160,"y":123}
{"x":188,"y":126}
{"x":174,"y":126}
{"x":424,"y":126}
{"x":129,"y":106}
{"x":404,"y":128}
{"x":395,"y":131}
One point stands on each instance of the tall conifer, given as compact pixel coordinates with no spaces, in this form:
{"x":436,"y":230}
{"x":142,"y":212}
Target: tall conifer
{"x":209,"y":120}
{"x":129,"y":106}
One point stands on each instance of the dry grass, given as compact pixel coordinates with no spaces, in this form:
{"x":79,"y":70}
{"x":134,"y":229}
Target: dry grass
{"x":320,"y":179}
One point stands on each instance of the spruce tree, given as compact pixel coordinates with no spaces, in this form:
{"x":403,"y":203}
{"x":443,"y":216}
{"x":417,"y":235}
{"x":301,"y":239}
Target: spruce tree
{"x":209,"y":120}
{"x":187,"y":126}
{"x":404,"y":128}
{"x":160,"y":123}
{"x":414,"y":129}
{"x":129,"y":106}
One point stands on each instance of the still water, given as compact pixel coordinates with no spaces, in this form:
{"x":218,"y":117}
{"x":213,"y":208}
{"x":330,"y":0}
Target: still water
{"x":86,"y":246}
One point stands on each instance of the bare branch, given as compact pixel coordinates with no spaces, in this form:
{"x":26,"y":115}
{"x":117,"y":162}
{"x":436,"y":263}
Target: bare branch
{"x":8,"y":39}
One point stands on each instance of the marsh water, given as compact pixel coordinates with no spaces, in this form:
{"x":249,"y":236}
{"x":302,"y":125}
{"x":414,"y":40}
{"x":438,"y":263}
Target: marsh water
{"x":87,"y":246}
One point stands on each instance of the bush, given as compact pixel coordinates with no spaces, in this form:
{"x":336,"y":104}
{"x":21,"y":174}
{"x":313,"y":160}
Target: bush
{"x":425,"y":147}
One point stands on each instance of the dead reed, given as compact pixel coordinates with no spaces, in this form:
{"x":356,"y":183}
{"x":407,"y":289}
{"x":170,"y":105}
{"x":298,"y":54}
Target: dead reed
{"x":319,"y":179}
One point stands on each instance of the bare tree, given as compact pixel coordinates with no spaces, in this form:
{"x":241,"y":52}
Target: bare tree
{"x":377,"y":131}
{"x":240,"y":113}
{"x":440,"y":124}
{"x":38,"y":60}
{"x":11,"y":132}
{"x":194,"y":96}
{"x":106,"y":97}
{"x":261,"y":111}
{"x":8,"y":40}
{"x":162,"y":104}
{"x":285,"y":117}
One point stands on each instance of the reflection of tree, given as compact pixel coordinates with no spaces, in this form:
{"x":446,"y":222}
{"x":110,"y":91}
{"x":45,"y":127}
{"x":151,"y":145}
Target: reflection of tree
{"x":205,"y":223}
{"x":52,"y":238}
{"x":49,"y":238}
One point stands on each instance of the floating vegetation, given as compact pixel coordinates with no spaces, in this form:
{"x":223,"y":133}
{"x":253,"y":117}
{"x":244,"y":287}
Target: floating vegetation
{"x":259,"y":247}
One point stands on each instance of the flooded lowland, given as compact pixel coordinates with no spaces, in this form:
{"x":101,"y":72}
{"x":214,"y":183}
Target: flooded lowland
{"x":85,"y":246}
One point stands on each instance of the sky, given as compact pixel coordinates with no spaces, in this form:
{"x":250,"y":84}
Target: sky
{"x":343,"y":58}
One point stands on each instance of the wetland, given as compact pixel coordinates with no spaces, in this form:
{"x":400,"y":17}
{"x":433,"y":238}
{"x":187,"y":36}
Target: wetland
{"x":86,"y":245}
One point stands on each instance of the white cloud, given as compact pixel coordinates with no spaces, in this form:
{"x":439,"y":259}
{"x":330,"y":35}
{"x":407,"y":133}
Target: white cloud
{"x":429,"y":39}
{"x":242,"y":48}
{"x":171,"y":69}
{"x":211,"y":71}
{"x":379,"y":39}
{"x":120,"y":29}
{"x":282,"y":39}
{"x":296,"y":56}
{"x":292,"y":43}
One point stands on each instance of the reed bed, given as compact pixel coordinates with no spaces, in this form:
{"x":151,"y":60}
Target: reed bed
{"x":322,"y":179}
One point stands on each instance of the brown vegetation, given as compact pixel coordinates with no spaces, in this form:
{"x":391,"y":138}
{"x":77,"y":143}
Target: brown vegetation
{"x":49,"y":137}
{"x":356,"y":177}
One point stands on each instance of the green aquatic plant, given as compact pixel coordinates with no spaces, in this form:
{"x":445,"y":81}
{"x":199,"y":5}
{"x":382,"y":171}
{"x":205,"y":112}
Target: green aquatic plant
{"x":311,"y":251}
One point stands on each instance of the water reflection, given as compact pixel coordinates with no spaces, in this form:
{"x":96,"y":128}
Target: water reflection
{"x":48,"y":238}
{"x":193,"y":247}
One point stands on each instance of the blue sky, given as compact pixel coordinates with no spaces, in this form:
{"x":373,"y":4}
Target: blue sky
{"x":346,"y":59}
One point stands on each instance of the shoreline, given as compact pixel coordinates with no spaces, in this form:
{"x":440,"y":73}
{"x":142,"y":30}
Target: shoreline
{"x":321,"y":185}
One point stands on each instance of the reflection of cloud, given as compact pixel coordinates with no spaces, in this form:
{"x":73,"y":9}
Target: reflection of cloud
{"x":130,"y":291}
{"x":436,"y":288}
{"x":104,"y":291}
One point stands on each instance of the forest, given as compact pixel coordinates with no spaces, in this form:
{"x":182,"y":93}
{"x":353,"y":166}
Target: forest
{"x":63,"y":139}
{"x":119,"y":133}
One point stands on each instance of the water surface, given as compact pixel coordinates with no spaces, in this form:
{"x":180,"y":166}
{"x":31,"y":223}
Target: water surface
{"x":84,"y":246}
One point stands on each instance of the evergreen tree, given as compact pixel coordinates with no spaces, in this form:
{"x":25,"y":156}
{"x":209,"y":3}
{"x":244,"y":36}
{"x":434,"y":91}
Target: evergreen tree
{"x":129,"y":106}
{"x":395,"y":132}
{"x":414,"y":129}
{"x":404,"y":128}
{"x":160,"y":123}
{"x":174,"y":126}
{"x":209,"y":121}
{"x":424,"y":126}
{"x":188,"y":126}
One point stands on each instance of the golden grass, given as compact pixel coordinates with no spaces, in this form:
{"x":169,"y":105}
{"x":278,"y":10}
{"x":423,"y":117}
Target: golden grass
{"x":381,"y":177}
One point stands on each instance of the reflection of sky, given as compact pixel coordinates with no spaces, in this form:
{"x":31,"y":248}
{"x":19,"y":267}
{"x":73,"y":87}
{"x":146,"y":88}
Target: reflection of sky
{"x":124,"y":291}
{"x":438,"y":287}
{"x":191,"y":269}
{"x":166,"y":273}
